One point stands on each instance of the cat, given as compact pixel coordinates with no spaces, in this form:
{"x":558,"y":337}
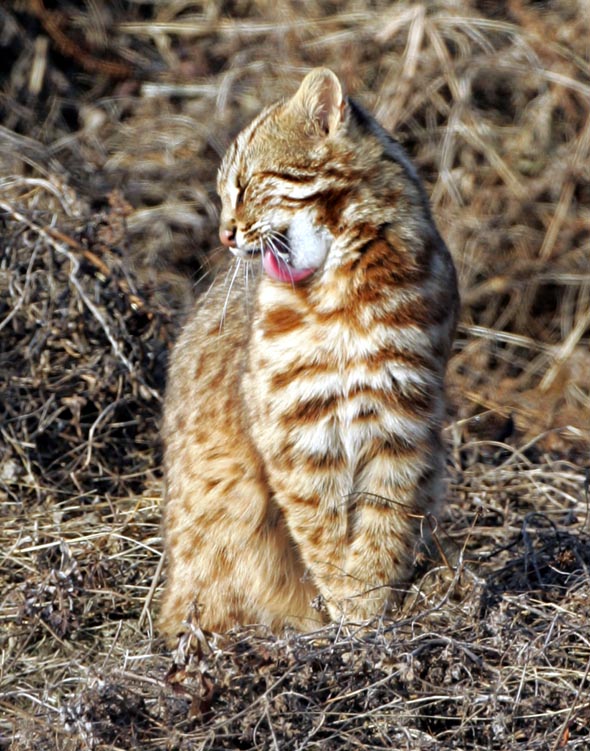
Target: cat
{"x":302,"y":417}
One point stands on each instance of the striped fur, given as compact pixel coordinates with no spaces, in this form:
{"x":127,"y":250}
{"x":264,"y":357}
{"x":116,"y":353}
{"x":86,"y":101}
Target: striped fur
{"x":302,"y":420}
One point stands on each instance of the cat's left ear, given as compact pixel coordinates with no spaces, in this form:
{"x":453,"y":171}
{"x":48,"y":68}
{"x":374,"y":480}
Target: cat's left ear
{"x":320,"y":100}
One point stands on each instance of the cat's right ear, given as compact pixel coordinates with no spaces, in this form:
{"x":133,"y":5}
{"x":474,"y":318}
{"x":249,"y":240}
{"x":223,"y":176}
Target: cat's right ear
{"x":320,"y":101}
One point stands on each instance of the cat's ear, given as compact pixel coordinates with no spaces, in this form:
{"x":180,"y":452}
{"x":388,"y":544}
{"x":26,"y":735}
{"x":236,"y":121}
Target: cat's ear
{"x":320,"y":101}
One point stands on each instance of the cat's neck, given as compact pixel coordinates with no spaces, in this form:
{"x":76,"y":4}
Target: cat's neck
{"x":353,"y":280}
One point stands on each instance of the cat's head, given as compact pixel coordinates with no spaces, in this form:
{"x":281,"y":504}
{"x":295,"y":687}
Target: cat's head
{"x":275,"y":179}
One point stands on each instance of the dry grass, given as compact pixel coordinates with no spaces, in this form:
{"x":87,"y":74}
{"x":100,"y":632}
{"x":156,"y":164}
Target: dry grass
{"x":113,"y":123}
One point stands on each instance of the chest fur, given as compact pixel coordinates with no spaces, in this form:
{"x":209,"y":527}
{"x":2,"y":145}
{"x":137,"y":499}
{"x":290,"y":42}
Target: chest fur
{"x":325,"y":385}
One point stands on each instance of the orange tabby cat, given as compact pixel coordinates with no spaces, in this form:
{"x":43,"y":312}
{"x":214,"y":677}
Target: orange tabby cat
{"x":305,"y":400}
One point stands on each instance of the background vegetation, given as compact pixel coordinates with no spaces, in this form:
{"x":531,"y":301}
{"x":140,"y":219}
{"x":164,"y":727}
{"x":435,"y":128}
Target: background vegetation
{"x":114,"y":117}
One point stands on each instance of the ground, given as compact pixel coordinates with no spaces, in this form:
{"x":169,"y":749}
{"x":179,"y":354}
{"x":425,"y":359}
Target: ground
{"x":114,"y":117}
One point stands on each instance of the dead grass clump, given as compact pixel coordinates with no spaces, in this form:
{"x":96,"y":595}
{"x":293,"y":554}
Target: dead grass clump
{"x":114,"y":119}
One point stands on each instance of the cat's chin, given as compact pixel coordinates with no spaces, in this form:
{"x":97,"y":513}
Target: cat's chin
{"x":281,"y":271}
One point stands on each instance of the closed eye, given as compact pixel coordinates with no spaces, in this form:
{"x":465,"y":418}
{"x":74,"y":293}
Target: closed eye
{"x":293,"y":186}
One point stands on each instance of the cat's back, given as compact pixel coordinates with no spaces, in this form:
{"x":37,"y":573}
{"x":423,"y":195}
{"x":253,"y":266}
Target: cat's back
{"x":202,"y":394}
{"x":210,"y":348}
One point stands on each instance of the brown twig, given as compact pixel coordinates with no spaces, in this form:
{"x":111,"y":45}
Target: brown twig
{"x":52,"y":22}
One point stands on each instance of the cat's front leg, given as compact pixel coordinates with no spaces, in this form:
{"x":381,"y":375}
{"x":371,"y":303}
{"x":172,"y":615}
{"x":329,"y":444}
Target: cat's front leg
{"x":397,"y":492}
{"x":312,"y":491}
{"x":358,"y":537}
{"x":350,"y":567}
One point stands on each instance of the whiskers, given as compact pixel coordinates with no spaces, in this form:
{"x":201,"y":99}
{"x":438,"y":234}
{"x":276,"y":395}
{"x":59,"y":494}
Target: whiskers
{"x":278,"y":244}
{"x":208,"y":269}
{"x":246,"y":290}
{"x":236,"y":267}
{"x":271,"y":240}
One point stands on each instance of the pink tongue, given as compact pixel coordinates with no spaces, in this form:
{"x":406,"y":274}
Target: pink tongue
{"x":281,"y":271}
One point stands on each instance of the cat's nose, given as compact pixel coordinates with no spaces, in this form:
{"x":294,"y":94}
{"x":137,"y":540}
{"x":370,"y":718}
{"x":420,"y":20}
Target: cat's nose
{"x":228,"y":237}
